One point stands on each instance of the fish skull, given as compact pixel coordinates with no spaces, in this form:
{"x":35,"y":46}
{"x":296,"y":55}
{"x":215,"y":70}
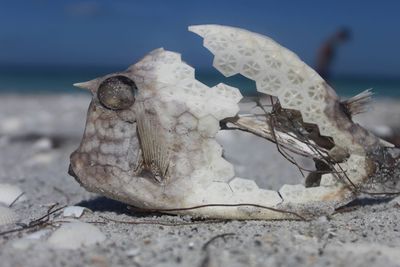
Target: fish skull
{"x":150,"y":133}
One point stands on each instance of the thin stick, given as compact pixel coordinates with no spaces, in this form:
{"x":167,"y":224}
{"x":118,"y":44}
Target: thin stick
{"x":16,"y":199}
{"x":41,"y":221}
{"x":208,"y":243}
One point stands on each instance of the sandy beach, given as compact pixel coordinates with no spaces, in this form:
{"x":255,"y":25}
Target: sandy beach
{"x":38,"y":133}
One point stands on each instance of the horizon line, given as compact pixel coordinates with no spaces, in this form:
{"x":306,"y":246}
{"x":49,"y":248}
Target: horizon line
{"x":199,"y":70}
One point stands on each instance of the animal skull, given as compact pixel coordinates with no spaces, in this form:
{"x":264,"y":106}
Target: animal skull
{"x":150,"y":134}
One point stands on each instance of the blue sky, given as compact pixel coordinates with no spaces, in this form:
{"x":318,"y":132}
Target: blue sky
{"x":120,"y":32}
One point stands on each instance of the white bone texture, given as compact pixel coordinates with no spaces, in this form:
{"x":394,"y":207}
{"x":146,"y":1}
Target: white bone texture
{"x":161,"y":152}
{"x":278,"y":72}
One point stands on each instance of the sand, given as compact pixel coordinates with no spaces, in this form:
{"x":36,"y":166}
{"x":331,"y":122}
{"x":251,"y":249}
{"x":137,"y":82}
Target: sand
{"x":37,"y":134}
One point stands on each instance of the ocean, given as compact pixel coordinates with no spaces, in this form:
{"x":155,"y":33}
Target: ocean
{"x":46,"y":79}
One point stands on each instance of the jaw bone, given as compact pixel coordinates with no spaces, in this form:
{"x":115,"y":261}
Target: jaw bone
{"x":205,"y":184}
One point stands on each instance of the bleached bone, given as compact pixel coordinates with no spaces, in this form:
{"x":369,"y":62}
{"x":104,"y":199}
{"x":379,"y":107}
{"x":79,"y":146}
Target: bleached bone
{"x":150,"y":134}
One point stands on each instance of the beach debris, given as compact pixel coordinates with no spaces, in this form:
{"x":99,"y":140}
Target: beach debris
{"x":73,"y":211}
{"x":7,"y":216}
{"x":41,"y":158}
{"x":43,"y":144}
{"x":132,"y":252}
{"x":31,"y":239}
{"x":150,"y":135}
{"x":39,"y":223}
{"x":10,"y":194}
{"x":75,"y":235}
{"x":38,"y":234}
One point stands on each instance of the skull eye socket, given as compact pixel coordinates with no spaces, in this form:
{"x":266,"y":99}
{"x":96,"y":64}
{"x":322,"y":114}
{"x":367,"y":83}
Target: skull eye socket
{"x":117,"y":92}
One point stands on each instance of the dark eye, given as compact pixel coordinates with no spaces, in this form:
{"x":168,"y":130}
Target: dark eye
{"x":117,"y":92}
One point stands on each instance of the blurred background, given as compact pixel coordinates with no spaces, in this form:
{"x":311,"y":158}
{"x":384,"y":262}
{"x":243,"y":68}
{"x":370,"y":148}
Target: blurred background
{"x":45,"y":46}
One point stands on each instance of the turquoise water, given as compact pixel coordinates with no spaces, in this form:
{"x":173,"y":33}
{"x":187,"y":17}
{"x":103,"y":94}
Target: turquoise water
{"x":60,"y":79}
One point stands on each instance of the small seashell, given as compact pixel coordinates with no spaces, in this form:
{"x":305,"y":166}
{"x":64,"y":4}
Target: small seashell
{"x":43,"y":144}
{"x":38,"y":234}
{"x":7,"y":216}
{"x":9,"y":193}
{"x":41,"y":158}
{"x":76,"y":235}
{"x":132,"y":252}
{"x":30,"y":240}
{"x":73,"y":211}
{"x":191,"y":245}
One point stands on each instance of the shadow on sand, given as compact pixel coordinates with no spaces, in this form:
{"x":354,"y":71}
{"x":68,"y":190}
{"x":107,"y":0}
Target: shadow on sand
{"x":103,"y":204}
